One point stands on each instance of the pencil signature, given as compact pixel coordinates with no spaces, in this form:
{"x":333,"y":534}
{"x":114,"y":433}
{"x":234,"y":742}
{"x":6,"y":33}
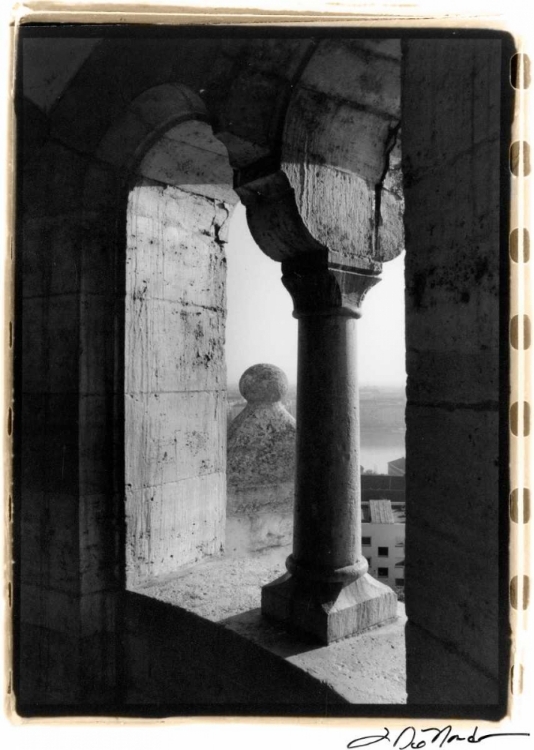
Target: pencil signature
{"x":410,"y":737}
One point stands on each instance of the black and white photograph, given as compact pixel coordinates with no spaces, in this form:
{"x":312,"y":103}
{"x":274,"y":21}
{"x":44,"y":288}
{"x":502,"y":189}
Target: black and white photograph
{"x":261,"y":371}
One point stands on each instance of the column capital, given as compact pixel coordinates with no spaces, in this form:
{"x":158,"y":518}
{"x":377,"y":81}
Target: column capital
{"x":328,"y":290}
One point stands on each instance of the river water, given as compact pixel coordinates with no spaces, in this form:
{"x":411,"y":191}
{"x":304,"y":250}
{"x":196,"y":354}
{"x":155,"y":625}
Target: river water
{"x":377,"y":447}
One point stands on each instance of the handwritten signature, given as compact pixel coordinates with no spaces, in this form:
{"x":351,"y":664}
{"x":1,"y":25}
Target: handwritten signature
{"x":410,"y":737}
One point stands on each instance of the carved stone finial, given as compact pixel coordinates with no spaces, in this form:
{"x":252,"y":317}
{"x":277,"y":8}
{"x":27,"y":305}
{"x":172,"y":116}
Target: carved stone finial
{"x":263,"y":384}
{"x":261,"y":465}
{"x":261,"y":439}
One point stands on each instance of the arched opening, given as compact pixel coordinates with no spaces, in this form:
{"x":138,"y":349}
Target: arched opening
{"x":78,"y":629}
{"x":175,"y":377}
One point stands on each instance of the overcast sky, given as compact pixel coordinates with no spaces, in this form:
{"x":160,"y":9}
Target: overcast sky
{"x":260,"y":326}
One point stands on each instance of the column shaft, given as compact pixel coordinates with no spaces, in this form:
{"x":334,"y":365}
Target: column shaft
{"x":327,"y":492}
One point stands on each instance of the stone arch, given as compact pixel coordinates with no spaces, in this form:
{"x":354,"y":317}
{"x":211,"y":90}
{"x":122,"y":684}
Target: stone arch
{"x":335,"y":195}
{"x":174,"y":201}
{"x":146,"y":119}
{"x":74,"y":279}
{"x":80,"y":173}
{"x":69,"y":305}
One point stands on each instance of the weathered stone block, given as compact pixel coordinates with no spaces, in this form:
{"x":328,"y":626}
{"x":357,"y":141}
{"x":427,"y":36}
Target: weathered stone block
{"x":50,"y":257}
{"x":49,"y":608}
{"x":345,"y":70}
{"x":70,"y":252}
{"x":173,"y":525}
{"x":102,"y":189}
{"x":174,"y":436}
{"x":451,"y":168}
{"x":460,"y":79}
{"x":175,"y":376}
{"x":172,"y":348}
{"x":50,"y":553}
{"x":100,"y":669}
{"x":52,"y":183}
{"x":454,"y":469}
{"x":259,"y":123}
{"x":457,"y":376}
{"x":190,"y":157}
{"x":98,"y":332}
{"x":455,"y":222}
{"x":32,"y":408}
{"x":98,"y":613}
{"x":101,"y":417}
{"x":338,"y":208}
{"x":100,"y":540}
{"x":49,"y":425}
{"x":167,"y":261}
{"x":471,"y":328}
{"x":438,"y":674}
{"x":167,"y":206}
{"x":464,"y":607}
{"x":99,"y":242}
{"x":48,"y":668}
{"x":390,"y":238}
{"x":328,"y":612}
{"x":316,"y":132}
{"x":51,"y":344}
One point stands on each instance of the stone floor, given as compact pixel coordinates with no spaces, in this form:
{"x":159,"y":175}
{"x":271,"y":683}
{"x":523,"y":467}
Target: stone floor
{"x":366,"y":669}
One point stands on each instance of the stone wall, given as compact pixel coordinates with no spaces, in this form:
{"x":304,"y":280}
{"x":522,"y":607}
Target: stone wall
{"x":68,"y":509}
{"x":70,"y":349}
{"x":81,"y":138}
{"x":175,"y":380}
{"x":454,"y":300}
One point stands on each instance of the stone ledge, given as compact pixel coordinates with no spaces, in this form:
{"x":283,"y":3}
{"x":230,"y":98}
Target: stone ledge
{"x":368,"y":668}
{"x":365,"y":669}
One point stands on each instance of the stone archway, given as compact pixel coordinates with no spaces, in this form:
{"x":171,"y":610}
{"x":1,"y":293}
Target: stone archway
{"x":82,"y":165}
{"x":263,"y":96}
{"x":175,"y":373}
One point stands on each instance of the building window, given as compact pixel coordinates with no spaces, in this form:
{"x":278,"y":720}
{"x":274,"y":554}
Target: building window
{"x":366,"y":541}
{"x":368,"y":561}
{"x":399,"y":581}
{"x":383,"y":551}
{"x":383,"y":572}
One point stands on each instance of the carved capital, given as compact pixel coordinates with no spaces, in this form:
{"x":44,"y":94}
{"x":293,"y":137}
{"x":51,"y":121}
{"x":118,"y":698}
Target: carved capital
{"x":327,"y":291}
{"x":278,"y":229}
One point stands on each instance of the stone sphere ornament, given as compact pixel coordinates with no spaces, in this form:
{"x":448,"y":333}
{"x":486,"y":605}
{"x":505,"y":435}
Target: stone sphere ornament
{"x":263,"y":384}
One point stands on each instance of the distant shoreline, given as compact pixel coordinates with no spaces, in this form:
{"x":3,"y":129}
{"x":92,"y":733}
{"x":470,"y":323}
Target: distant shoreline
{"x":365,"y":390}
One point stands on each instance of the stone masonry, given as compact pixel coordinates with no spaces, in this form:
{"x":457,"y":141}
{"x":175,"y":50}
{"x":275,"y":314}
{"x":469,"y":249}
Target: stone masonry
{"x":305,"y":129}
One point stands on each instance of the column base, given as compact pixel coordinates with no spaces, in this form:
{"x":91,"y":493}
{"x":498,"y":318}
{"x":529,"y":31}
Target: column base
{"x":328,"y":611}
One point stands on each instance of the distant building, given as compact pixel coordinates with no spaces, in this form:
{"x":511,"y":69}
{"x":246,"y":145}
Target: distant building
{"x":383,"y":540}
{"x":397,"y":468}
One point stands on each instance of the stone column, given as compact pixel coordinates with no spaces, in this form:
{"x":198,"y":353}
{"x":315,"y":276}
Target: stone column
{"x":327,"y":591}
